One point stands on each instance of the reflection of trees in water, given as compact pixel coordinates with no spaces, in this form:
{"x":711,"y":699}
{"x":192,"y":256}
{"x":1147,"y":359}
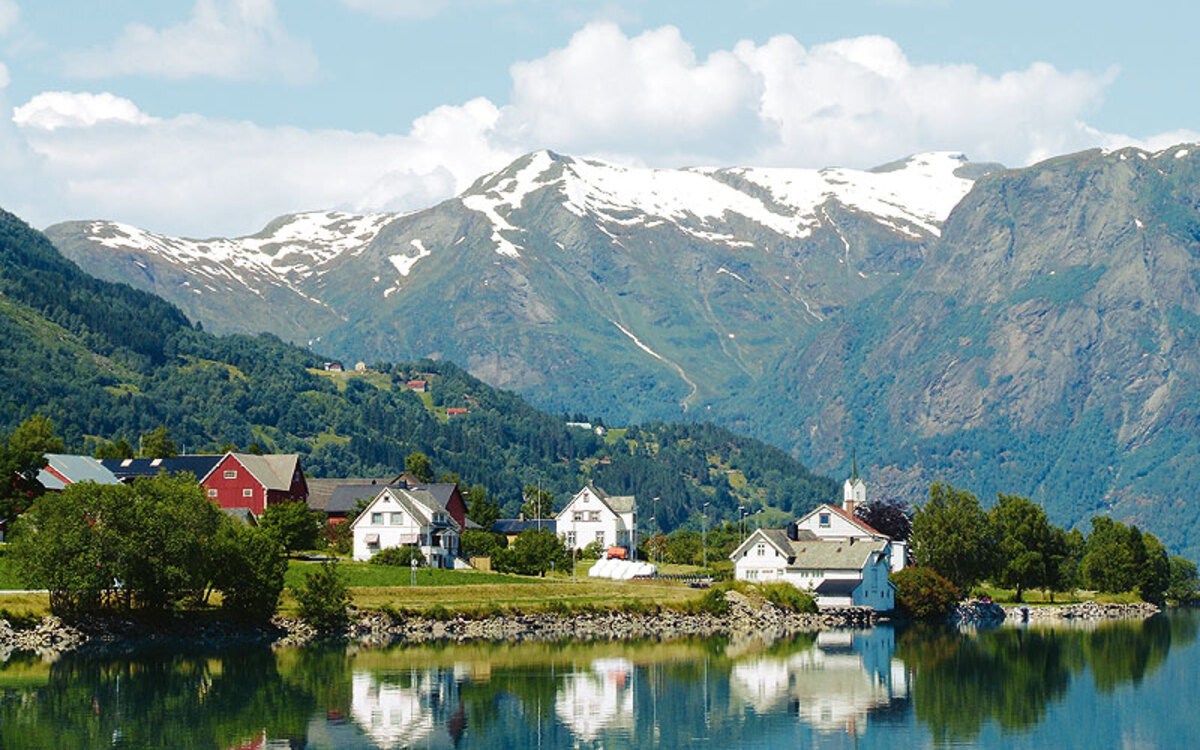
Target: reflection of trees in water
{"x":1011,"y":675}
{"x":158,"y":700}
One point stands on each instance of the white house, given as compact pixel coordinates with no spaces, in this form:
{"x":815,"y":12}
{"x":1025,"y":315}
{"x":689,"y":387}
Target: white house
{"x":831,"y":522}
{"x":399,"y":517}
{"x":595,"y":516}
{"x":838,"y":572}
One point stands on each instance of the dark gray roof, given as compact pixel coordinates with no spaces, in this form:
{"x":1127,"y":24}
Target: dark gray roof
{"x":130,"y":468}
{"x":834,"y":586}
{"x":242,"y":515}
{"x":320,"y":491}
{"x":346,"y":496}
{"x":517,"y":525}
{"x":618,"y":503}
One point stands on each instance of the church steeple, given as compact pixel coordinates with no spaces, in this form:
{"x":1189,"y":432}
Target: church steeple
{"x":854,"y":493}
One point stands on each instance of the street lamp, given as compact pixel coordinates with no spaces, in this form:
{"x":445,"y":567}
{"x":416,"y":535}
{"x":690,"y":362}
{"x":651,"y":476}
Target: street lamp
{"x":704,"y":534}
{"x":653,"y":556}
{"x":741,"y":520}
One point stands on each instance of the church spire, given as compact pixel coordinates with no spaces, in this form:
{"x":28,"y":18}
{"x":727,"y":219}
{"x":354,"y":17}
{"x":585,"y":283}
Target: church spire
{"x":853,"y":464}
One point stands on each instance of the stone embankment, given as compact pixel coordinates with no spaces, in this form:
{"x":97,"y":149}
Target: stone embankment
{"x":52,"y":636}
{"x":976,"y":613}
{"x":1081,"y":611}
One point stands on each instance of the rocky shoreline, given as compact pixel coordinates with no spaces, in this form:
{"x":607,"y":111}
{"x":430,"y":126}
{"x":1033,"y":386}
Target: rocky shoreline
{"x":990,"y":613}
{"x":51,"y":636}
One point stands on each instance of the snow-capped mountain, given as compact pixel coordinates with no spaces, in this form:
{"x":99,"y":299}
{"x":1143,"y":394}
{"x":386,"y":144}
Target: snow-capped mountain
{"x":564,"y":255}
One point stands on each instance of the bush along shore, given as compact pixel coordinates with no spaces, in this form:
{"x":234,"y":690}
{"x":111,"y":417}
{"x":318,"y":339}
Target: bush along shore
{"x":739,"y":614}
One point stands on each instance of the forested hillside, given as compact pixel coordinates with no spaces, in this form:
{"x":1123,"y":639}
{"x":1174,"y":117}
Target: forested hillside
{"x":106,"y":362}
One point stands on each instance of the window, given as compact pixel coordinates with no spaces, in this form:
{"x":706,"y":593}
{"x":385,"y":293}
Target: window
{"x":376,"y":519}
{"x":247,"y":492}
{"x":212,"y":491}
{"x":594,"y":515}
{"x":231,"y":474}
{"x":570,"y":538}
{"x":751,"y":575}
{"x":762,"y":549}
{"x":600,"y":538}
{"x":577,"y":515}
{"x":824,"y":520}
{"x":397,"y":519}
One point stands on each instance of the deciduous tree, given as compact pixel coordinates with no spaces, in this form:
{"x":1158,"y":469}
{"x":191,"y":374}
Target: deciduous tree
{"x":951,"y":534}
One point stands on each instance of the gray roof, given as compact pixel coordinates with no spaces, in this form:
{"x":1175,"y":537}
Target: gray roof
{"x":75,"y":469}
{"x":274,"y":470}
{"x":347,"y":496}
{"x":835,"y":586}
{"x":321,"y":491}
{"x":129,"y":468}
{"x":834,"y":555}
{"x":244,"y":516}
{"x":619,"y":503}
{"x":517,"y":525}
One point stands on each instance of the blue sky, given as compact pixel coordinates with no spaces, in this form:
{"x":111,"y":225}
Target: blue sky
{"x":207,"y":117}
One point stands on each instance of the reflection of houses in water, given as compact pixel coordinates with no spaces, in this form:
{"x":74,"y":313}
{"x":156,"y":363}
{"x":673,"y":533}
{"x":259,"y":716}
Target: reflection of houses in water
{"x":831,"y":686}
{"x":400,"y":709}
{"x":597,"y":700}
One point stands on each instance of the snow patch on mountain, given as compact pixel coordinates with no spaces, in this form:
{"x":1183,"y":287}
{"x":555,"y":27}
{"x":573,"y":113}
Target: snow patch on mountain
{"x":404,"y":263}
{"x":287,"y":251}
{"x":913,"y":197}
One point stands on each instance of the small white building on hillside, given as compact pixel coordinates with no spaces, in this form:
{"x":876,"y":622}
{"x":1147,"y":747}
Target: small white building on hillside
{"x":400,"y":517}
{"x":595,"y":516}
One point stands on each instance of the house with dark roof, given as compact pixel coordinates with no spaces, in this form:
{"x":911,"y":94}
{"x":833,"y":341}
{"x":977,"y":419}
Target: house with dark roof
{"x":593,"y":515}
{"x":128,"y":469}
{"x":512,"y":527}
{"x":338,"y":498}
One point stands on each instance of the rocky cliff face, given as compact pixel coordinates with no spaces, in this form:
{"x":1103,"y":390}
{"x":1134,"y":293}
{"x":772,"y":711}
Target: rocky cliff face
{"x":1047,"y":346}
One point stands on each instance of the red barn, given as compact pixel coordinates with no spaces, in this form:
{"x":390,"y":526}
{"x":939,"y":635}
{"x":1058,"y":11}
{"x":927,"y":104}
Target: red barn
{"x":244,"y":480}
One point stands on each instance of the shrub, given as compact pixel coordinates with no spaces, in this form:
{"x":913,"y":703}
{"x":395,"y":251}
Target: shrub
{"x":923,"y":594}
{"x":788,"y":597}
{"x":324,"y":598}
{"x":402,"y":557}
{"x":477,"y":543}
{"x":250,"y":565}
{"x":533,"y":552}
{"x":592,"y":551}
{"x":714,"y":602}
{"x":293,"y":524}
{"x":339,"y":538}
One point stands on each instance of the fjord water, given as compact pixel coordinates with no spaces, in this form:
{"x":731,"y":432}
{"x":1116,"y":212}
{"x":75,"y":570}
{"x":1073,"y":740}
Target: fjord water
{"x":1113,"y":684}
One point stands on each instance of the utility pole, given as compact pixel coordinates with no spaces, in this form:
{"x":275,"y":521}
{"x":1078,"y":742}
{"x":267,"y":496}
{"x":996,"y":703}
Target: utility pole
{"x":704,"y":534}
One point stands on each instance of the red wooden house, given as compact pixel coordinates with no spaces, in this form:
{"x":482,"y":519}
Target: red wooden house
{"x":244,"y":480}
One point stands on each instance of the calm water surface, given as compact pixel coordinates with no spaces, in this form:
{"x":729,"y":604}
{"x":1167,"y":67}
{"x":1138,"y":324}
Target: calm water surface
{"x":1113,"y":685}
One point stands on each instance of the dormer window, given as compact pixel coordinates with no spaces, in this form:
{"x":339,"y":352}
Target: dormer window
{"x":824,"y":520}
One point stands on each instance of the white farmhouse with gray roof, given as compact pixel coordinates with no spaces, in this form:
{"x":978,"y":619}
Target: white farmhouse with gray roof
{"x":595,"y":516}
{"x":400,"y":517}
{"x":838,"y":572}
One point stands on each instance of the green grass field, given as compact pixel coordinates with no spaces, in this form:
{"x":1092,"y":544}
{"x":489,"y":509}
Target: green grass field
{"x":365,"y":575}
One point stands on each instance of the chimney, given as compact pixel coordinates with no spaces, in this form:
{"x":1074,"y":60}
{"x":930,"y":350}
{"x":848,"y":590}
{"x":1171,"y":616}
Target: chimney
{"x":793,"y":531}
{"x":848,"y":506}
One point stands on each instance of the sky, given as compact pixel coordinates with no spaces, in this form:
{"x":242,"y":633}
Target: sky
{"x":211,"y":117}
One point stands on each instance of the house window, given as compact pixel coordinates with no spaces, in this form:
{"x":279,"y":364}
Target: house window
{"x":600,"y":538}
{"x":397,"y":519}
{"x":212,"y":491}
{"x":247,"y":492}
{"x":762,"y":549}
{"x":751,"y":575}
{"x":824,"y":520}
{"x":594,"y":515}
{"x":577,"y":515}
{"x":231,"y":474}
{"x":570,"y":538}
{"x":376,"y":519}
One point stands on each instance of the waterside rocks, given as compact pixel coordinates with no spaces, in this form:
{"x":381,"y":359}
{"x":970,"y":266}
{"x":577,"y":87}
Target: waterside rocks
{"x":1081,"y":611}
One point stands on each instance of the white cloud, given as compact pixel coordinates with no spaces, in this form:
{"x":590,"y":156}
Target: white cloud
{"x":199,"y":177}
{"x":51,"y":110}
{"x":637,"y":99}
{"x":230,"y":39}
{"x":856,"y":102}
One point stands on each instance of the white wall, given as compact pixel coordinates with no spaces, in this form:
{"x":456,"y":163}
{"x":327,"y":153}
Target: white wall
{"x":395,"y":527}
{"x":838,"y":527}
{"x":587,"y":506}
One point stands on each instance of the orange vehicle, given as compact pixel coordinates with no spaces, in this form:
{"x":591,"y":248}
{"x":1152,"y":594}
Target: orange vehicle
{"x":616,"y":553}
